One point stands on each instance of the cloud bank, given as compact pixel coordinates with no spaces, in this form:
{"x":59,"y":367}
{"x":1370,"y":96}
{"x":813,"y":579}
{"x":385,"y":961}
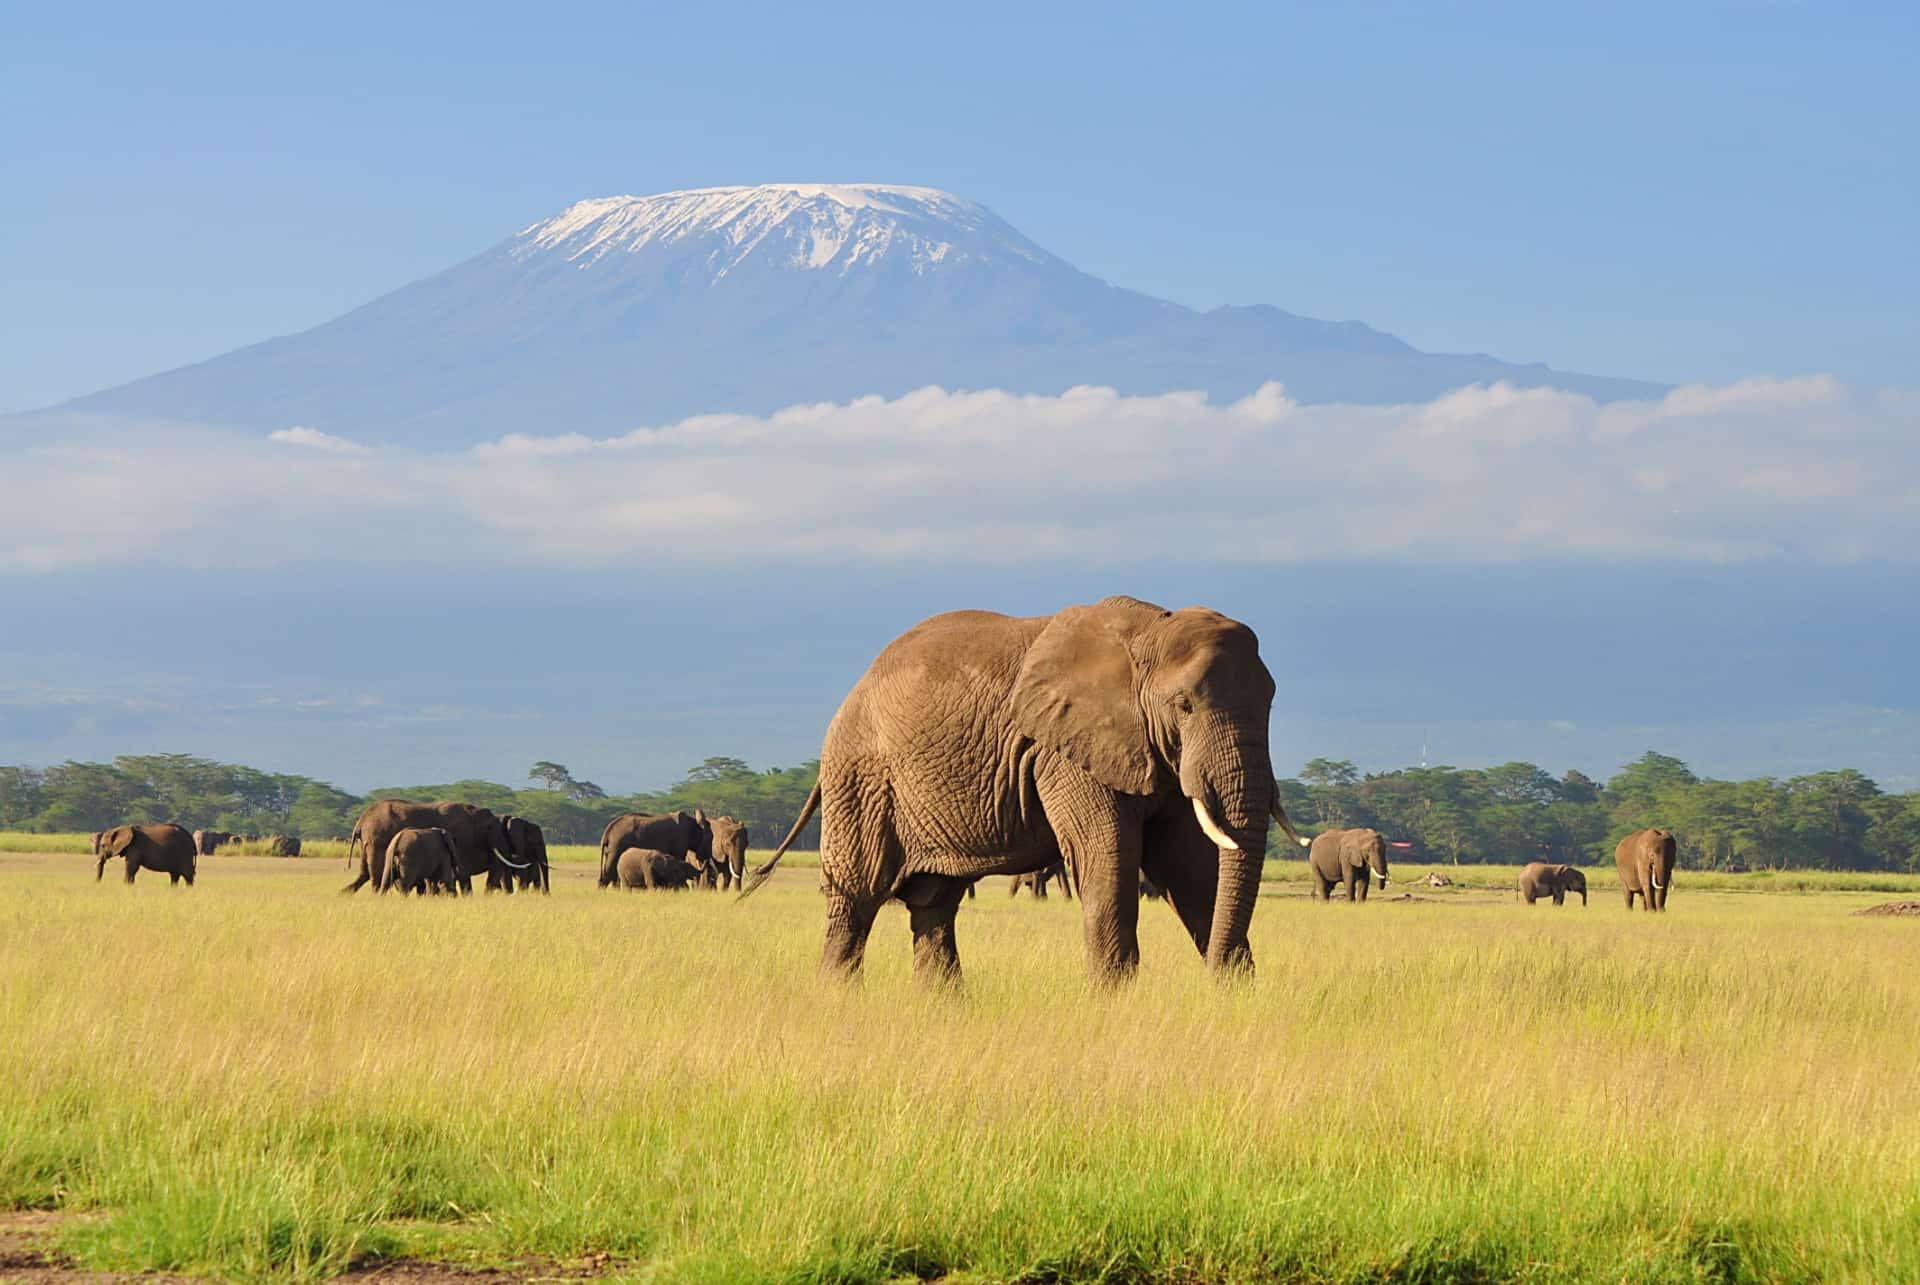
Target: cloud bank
{"x":1801,"y":468}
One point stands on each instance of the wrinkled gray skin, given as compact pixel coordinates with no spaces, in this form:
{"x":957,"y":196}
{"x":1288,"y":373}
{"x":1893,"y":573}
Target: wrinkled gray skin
{"x":1539,"y":879}
{"x":651,"y":869}
{"x":421,"y":861}
{"x":1120,"y":737}
{"x":527,"y":848}
{"x":1036,"y":881}
{"x":1646,"y":859}
{"x":479,"y":840}
{"x":164,"y":847}
{"x":730,"y":839}
{"x":688,"y":835}
{"x":1346,"y":857}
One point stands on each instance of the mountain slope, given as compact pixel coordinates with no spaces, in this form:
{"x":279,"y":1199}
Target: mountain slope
{"x":639,"y":310}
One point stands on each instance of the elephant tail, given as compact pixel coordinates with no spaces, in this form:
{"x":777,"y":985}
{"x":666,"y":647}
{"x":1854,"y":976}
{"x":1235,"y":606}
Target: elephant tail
{"x":763,"y":873}
{"x":1280,"y":815}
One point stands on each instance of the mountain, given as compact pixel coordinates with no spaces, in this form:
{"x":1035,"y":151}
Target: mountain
{"x":628,"y":311}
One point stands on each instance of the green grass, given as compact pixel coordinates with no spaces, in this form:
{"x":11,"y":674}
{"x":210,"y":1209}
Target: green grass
{"x":257,"y":1078}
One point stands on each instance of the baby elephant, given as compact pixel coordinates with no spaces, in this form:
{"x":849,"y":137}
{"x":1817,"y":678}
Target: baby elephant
{"x":1343,"y":856}
{"x":652,"y":868}
{"x":421,"y":861}
{"x":1538,"y":879}
{"x":1037,"y":880}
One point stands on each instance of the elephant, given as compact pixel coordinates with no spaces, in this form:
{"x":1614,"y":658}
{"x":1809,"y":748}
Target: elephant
{"x":730,"y":838}
{"x":651,"y":868}
{"x":528,"y":845}
{"x":422,"y":861}
{"x":1037,"y":880}
{"x":283,"y":845}
{"x":479,"y":840}
{"x":687,"y":835}
{"x":1343,"y":857}
{"x":98,"y":835}
{"x":208,"y":842}
{"x":148,"y":847}
{"x":1120,"y":737}
{"x":1646,"y":859}
{"x":1538,"y":879}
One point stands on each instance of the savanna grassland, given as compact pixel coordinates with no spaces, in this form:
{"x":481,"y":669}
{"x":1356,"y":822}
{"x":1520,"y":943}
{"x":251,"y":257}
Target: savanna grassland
{"x":256,"y":1078}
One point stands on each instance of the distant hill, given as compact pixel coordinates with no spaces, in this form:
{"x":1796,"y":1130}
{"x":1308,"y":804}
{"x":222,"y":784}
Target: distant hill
{"x":630,"y":311}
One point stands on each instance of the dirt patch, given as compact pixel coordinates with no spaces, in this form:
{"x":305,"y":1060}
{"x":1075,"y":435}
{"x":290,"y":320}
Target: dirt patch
{"x":27,"y":1257}
{"x":409,"y":1271}
{"x":1893,"y":908}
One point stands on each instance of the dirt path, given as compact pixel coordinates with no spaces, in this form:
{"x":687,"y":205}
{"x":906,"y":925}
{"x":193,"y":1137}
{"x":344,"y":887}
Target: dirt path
{"x":27,"y":1257}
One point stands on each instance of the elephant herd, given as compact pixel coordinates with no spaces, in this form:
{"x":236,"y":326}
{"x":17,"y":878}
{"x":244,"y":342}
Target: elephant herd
{"x":1117,"y":746}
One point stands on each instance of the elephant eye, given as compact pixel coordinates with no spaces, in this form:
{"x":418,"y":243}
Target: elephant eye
{"x":1183,"y":703}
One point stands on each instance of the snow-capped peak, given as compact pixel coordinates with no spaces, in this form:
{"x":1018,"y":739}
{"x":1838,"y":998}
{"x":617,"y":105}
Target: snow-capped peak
{"x":797,"y":226}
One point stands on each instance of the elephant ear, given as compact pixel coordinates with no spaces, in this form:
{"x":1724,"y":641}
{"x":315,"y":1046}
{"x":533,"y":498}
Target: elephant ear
{"x":1078,"y":693}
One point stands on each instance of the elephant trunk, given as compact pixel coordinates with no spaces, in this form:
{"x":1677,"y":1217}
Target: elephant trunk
{"x":1229,"y":779}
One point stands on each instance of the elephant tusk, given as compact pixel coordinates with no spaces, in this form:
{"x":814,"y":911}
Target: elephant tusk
{"x":1214,"y":832}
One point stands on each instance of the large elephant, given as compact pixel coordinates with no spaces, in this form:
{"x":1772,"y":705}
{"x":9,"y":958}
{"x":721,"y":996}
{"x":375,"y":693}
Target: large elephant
{"x":730,"y":839}
{"x":1122,"y":737}
{"x":678,"y":834}
{"x":479,"y":840}
{"x":650,"y":869}
{"x":1036,"y":881}
{"x":164,"y":847}
{"x":422,"y":861}
{"x":1349,"y":857}
{"x":1646,"y":859}
{"x":1539,"y":879}
{"x":527,"y":843}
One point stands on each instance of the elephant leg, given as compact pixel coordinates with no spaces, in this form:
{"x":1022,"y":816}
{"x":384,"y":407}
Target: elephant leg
{"x":848,"y":924}
{"x":932,"y":902}
{"x":1363,"y":881}
{"x":1101,"y":837}
{"x":1629,"y":893}
{"x":1351,"y":894}
{"x":1559,"y":897}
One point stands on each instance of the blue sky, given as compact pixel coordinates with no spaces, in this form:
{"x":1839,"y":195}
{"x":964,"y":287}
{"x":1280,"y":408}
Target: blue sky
{"x":1721,"y":193}
{"x":1675,"y":191}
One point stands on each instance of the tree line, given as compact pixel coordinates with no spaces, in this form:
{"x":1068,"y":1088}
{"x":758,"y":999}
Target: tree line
{"x":203,"y":794}
{"x":1510,"y":814}
{"x":1517,"y":813}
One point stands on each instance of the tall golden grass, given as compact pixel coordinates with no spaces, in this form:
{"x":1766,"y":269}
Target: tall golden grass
{"x":256,"y":1077}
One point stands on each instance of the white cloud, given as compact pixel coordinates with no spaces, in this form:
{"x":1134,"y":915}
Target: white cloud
{"x":315,"y":440}
{"x":1801,"y":468}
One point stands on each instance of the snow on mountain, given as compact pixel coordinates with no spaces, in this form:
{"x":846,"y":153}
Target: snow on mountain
{"x":808,"y":226}
{"x":633,"y":310}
